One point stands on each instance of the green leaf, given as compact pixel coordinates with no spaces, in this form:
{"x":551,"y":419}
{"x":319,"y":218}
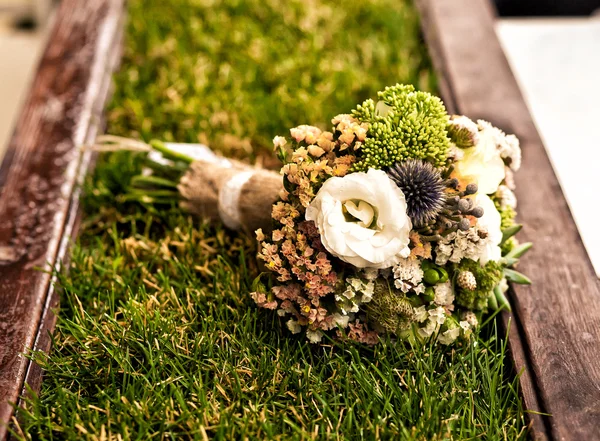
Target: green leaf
{"x":258,"y":285}
{"x":510,"y":232}
{"x":501,"y":299}
{"x":516,"y":277}
{"x":508,"y":261}
{"x":492,"y":301}
{"x":519,"y":251}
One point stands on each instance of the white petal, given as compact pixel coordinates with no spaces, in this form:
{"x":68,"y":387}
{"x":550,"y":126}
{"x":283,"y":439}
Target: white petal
{"x":351,"y":241}
{"x":363,"y":212}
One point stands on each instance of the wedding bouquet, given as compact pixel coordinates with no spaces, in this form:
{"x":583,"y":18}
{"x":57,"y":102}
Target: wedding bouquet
{"x":399,"y":221}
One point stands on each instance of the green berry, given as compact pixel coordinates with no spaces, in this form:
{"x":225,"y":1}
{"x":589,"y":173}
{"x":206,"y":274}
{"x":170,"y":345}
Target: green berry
{"x":443,"y":275}
{"x":429,"y":294}
{"x":431,"y":277}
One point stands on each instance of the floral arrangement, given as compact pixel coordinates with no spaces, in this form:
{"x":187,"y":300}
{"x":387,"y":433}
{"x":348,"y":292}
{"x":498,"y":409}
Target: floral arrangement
{"x":400,"y":221}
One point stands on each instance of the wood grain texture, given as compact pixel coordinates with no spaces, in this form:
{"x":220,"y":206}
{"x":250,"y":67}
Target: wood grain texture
{"x":559,"y":317}
{"x":39,"y":177}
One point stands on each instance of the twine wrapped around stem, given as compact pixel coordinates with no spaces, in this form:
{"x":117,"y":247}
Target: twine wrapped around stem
{"x":239,"y":195}
{"x":208,"y":185}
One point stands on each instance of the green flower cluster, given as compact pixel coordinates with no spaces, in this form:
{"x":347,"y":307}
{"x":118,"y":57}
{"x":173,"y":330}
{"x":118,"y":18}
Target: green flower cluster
{"x":487,"y":278}
{"x":507,"y":220}
{"x":404,"y":124}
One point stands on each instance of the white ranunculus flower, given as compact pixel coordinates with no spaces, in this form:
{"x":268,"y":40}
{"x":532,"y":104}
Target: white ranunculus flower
{"x":491,"y":222}
{"x":362,"y":219}
{"x":482,"y":164}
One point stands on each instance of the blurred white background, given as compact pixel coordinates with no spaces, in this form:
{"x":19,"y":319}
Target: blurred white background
{"x":23,"y":29}
{"x":557,"y":64}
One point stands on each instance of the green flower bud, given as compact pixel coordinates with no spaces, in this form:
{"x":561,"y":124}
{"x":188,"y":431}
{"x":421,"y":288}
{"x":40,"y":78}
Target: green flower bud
{"x":413,"y":126}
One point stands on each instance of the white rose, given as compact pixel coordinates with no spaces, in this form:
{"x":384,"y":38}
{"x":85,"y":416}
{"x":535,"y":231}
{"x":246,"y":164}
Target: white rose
{"x":482,"y":164}
{"x":490,"y":222}
{"x":362,"y":219}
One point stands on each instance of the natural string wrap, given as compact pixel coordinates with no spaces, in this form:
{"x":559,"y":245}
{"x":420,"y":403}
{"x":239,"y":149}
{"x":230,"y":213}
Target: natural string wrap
{"x":231,"y":191}
{"x":229,"y":199}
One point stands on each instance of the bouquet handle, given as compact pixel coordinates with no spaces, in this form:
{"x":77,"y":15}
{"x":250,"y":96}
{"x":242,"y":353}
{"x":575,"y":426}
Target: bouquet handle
{"x":233,"y":192}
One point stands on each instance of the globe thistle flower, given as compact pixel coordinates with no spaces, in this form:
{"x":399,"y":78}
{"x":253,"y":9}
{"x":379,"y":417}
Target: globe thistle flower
{"x":423,"y":188}
{"x":435,"y":205}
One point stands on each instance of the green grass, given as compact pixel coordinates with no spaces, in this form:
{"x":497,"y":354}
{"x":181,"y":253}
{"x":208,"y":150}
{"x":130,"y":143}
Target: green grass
{"x":157,"y":337}
{"x":236,"y":73}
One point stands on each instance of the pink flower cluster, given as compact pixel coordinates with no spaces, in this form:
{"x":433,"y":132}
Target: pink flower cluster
{"x":305,"y":272}
{"x":360,"y":332}
{"x":302,"y":270}
{"x":317,"y":155}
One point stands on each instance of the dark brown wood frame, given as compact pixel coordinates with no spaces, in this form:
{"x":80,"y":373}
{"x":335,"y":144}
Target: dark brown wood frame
{"x":554,"y":333}
{"x":39,"y":180}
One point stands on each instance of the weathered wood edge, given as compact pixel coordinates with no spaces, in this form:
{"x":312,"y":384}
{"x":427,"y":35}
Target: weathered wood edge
{"x":557,"y":330}
{"x":34,"y":375}
{"x":62,"y":113}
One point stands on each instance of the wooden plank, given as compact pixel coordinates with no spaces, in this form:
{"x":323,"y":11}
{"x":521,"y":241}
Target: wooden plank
{"x":39,"y":176}
{"x":521,"y":356}
{"x":34,"y":375}
{"x":558,"y":329}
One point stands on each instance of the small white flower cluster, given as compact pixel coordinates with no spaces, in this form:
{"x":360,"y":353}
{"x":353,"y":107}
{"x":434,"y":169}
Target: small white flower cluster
{"x":468,"y":323}
{"x":408,"y":275}
{"x":433,"y":320}
{"x":294,"y":326}
{"x":470,"y":244}
{"x":470,"y":318}
{"x":449,"y":336}
{"x":316,"y":335}
{"x":507,"y":197}
{"x":444,"y":294}
{"x":455,"y":153}
{"x":507,"y":145}
{"x":357,"y":292}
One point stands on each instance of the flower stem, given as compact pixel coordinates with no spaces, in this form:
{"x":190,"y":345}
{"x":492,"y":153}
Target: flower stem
{"x":152,"y":181}
{"x":138,"y":194}
{"x":159,"y":146}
